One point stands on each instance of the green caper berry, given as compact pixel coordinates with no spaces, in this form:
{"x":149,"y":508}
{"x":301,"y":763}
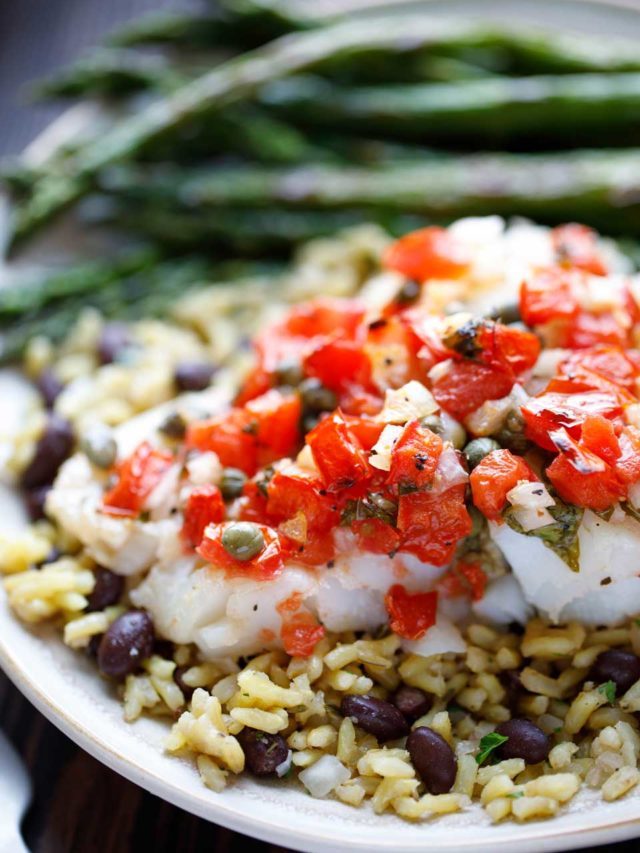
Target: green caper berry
{"x":515,"y":421}
{"x":99,"y":446}
{"x":243,"y":540}
{"x":477,"y":449}
{"x":173,"y":426}
{"x":317,"y":398}
{"x":232,"y":483}
{"x":289,"y":373}
{"x":447,"y":428}
{"x":507,"y":313}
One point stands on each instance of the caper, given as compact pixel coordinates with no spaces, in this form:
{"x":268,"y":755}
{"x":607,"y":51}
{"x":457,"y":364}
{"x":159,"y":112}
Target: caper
{"x":173,"y":426}
{"x":243,"y":540}
{"x":232,"y":483}
{"x":477,"y":449}
{"x":289,"y":372}
{"x":433,"y":423}
{"x":514,"y":421}
{"x":409,"y":292}
{"x":316,"y":397}
{"x":309,"y":422}
{"x":507,"y":313}
{"x":99,"y":445}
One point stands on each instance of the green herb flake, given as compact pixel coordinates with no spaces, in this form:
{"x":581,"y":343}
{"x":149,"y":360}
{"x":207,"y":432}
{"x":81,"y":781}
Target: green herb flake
{"x":561,"y":537}
{"x":608,"y":689}
{"x":488,"y":744}
{"x":515,"y":795}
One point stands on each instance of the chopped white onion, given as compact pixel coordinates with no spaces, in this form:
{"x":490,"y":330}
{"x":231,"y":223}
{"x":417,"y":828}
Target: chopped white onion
{"x":381,"y":451}
{"x":449,"y":472}
{"x":324,"y":776}
{"x":283,"y":768}
{"x":530,"y":495}
{"x":533,"y":518}
{"x":305,"y":459}
{"x":634,"y":495}
{"x":602,"y":293}
{"x":204,"y":468}
{"x":632,"y":414}
{"x":408,"y":403}
{"x":440,"y":370}
{"x":548,"y":362}
{"x":164,"y":496}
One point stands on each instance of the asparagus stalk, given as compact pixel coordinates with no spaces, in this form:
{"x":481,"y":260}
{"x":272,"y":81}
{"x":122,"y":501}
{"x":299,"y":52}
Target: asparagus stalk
{"x":571,"y":109}
{"x":145,"y":292}
{"x":601,"y":188}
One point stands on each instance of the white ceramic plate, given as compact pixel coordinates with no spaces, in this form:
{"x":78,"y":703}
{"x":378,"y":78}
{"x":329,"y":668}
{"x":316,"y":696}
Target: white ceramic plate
{"x":65,"y":687}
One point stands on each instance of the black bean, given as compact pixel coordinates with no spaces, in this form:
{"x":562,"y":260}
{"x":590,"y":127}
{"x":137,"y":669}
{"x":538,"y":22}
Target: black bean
{"x":35,"y":500}
{"x":381,"y":719}
{"x":49,"y":387}
{"x":127,"y":642}
{"x":54,"y":446}
{"x":194,"y":375}
{"x":411,"y":702}
{"x":178,"y":672}
{"x":525,"y":740}
{"x":94,"y":645}
{"x":107,"y":590}
{"x":433,"y":759}
{"x":511,"y":682}
{"x":623,"y":668}
{"x":263,"y":752}
{"x":115,"y":338}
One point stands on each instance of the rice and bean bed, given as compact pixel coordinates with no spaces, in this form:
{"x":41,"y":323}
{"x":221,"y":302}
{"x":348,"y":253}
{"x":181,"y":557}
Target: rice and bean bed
{"x":519,"y":722}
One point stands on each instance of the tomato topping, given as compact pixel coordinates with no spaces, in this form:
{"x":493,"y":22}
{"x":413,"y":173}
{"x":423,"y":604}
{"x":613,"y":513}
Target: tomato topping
{"x":258,"y":382}
{"x":337,"y":454}
{"x":494,"y":477}
{"x":204,"y":506}
{"x":552,"y":410}
{"x":410,"y":614}
{"x":137,"y":477}
{"x":577,"y":246}
{"x":468,"y":384}
{"x":464,"y":578}
{"x":597,"y":490}
{"x":339,"y":364}
{"x":325,"y":316}
{"x":628,"y":463}
{"x":300,"y":634}
{"x":277,"y":418}
{"x":599,"y":436}
{"x":376,"y":536}
{"x":427,"y":253}
{"x":364,"y":429}
{"x":610,"y":363}
{"x":252,"y":506}
{"x":548,"y":296}
{"x":230,"y":436}
{"x":414,"y":457}
{"x":432,"y":525}
{"x":508,"y":347}
{"x":268,"y":563}
{"x":294,"y":489}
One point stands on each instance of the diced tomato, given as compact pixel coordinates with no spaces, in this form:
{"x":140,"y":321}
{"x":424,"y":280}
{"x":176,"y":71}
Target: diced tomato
{"x":230,"y":436}
{"x":577,"y":246}
{"x":432,"y":525}
{"x":339,"y":364}
{"x":137,"y":476}
{"x":494,"y":477}
{"x":588,"y":330}
{"x":507,"y":347}
{"x":597,"y":490}
{"x":410,"y":614}
{"x":337,"y":454}
{"x":252,"y":506}
{"x":318,"y":551}
{"x":300,"y":634}
{"x":325,"y":316}
{"x":427,"y":253}
{"x":358,"y":402}
{"x":611,"y":363}
{"x":464,"y":578}
{"x":598,"y":436}
{"x":278,"y":418}
{"x":414,"y":457}
{"x":266,"y":565}
{"x":628,"y":464}
{"x":550,"y":295}
{"x":468,"y":384}
{"x":552,"y":410}
{"x":364,"y":429}
{"x":294,"y":489}
{"x":376,"y":536}
{"x":258,"y":382}
{"x":204,"y":506}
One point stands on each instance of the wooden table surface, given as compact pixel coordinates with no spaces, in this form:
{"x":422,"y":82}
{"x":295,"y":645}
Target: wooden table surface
{"x":80,"y":806}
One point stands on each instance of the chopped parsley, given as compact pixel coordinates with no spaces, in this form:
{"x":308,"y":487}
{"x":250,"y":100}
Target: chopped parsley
{"x":608,"y":689}
{"x":561,"y":536}
{"x":488,"y":744}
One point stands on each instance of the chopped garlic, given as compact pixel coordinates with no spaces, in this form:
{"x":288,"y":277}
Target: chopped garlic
{"x":381,"y":451}
{"x":404,"y":404}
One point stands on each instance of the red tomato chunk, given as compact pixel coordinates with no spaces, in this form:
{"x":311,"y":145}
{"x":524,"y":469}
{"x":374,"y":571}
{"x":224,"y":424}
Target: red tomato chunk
{"x":137,"y":477}
{"x":411,"y":615}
